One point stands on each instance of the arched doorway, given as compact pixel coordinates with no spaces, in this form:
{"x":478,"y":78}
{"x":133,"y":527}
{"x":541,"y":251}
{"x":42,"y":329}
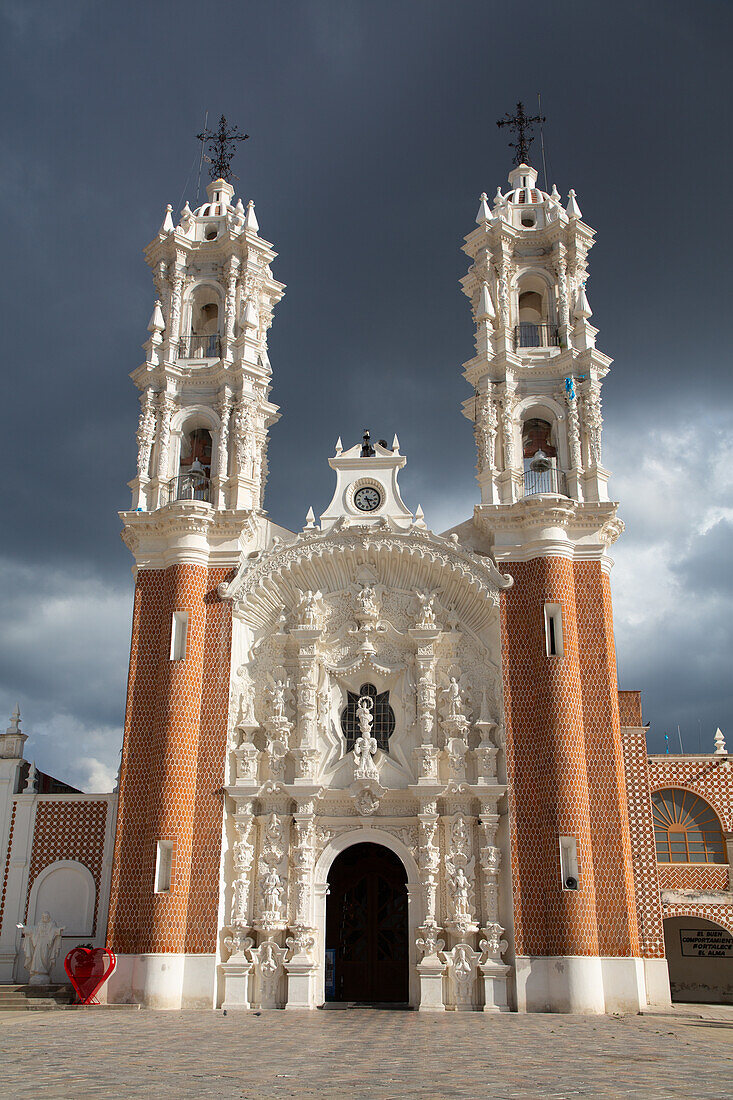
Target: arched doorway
{"x":700,"y":959}
{"x":366,"y":927}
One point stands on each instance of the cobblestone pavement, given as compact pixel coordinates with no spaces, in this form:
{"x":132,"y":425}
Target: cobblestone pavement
{"x":360,"y":1054}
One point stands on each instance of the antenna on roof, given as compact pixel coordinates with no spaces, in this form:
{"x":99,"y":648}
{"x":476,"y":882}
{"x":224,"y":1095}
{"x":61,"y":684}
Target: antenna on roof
{"x":201,"y":160}
{"x":542,"y":139}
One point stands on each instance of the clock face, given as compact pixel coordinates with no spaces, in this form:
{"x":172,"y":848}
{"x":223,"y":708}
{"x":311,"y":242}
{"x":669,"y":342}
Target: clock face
{"x":367,"y":499}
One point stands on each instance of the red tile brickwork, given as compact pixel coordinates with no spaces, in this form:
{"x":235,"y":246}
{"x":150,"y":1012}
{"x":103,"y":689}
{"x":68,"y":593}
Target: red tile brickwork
{"x":612,"y":866}
{"x":693,"y":876}
{"x":629,"y":708}
{"x":172,"y":765}
{"x":710,"y":778}
{"x":720,"y":914}
{"x":562,"y":732}
{"x":68,"y":829}
{"x":7,"y":864}
{"x":643,"y":849}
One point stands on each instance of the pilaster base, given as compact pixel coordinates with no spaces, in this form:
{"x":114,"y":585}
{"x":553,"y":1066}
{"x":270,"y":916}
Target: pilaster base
{"x":236,"y":984}
{"x":301,"y":984}
{"x":431,"y":971}
{"x":494,"y":976}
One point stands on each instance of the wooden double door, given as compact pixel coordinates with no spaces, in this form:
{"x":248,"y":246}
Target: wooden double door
{"x":366,"y":926}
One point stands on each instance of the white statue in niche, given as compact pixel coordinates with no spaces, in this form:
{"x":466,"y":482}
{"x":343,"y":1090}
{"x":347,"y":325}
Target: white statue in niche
{"x":41,"y":949}
{"x":426,"y":616}
{"x":276,"y":696}
{"x":366,"y":745}
{"x":461,"y":887}
{"x":272,"y":891}
{"x":454,"y":698}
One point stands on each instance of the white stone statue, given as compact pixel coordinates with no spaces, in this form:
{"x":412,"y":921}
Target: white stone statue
{"x":277,"y":699}
{"x":461,"y":887}
{"x":41,"y":949}
{"x":366,"y":745}
{"x":272,"y":890}
{"x":454,"y":698}
{"x":426,"y":615}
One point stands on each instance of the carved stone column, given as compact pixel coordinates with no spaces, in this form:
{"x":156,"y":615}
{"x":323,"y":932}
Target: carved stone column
{"x":301,"y":943}
{"x":145,"y":440}
{"x":238,"y":967}
{"x":166,"y":407}
{"x":307,"y":636}
{"x":224,"y":409}
{"x":425,"y":635}
{"x":575,"y":477}
{"x":460,"y":866}
{"x":431,"y":967}
{"x":230,"y":305}
{"x":492,"y":969}
{"x":176,"y":280}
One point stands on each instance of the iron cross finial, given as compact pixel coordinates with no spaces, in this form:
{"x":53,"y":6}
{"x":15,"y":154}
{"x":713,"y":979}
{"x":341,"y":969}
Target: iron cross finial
{"x":522,"y":124}
{"x":221,"y":149}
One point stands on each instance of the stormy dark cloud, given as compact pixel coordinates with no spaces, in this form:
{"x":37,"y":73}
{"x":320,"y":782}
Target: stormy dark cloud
{"x":372,"y":133}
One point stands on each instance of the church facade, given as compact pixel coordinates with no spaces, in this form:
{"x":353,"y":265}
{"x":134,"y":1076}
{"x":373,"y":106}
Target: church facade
{"x":364,"y":762}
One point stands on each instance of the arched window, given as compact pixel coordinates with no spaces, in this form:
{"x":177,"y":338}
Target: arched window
{"x":537,"y":436}
{"x":383,"y":721}
{"x":194,"y":469}
{"x":686,"y":829}
{"x":203,"y":341}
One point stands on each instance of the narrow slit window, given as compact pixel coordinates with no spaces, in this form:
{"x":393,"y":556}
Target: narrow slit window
{"x":569,"y":868}
{"x":553,"y":630}
{"x":179,"y":631}
{"x":164,"y":867}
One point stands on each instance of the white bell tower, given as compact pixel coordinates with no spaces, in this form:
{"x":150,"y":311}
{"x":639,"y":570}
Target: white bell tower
{"x":205,"y":382}
{"x":537,"y":373}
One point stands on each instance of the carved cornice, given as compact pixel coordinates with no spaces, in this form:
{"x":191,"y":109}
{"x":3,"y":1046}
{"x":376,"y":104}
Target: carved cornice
{"x":184,"y":518}
{"x":551,"y":510}
{"x":356,"y":542}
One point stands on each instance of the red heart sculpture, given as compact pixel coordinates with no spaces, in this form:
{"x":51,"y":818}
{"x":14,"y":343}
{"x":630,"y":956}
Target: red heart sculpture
{"x":88,"y":970}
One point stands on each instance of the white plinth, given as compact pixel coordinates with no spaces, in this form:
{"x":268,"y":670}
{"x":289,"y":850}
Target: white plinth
{"x":431,"y":971}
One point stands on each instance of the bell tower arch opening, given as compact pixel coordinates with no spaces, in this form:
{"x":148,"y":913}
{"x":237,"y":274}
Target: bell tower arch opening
{"x":367,"y":946}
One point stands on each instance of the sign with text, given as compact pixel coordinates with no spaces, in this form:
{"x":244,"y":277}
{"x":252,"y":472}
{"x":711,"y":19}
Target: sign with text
{"x":706,"y":943}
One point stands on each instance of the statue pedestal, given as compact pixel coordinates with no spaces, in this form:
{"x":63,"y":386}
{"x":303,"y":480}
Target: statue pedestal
{"x":301,"y":973}
{"x":236,"y":983}
{"x":494,"y":975}
{"x":431,"y":971}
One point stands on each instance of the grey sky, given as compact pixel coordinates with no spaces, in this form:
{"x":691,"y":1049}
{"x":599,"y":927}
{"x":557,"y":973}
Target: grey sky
{"x":373,"y":130}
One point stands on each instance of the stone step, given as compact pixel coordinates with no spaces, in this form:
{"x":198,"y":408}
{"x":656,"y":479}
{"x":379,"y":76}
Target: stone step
{"x":38,"y":998}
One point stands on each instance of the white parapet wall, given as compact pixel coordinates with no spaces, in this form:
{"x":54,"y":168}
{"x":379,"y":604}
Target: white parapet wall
{"x":587,"y":985}
{"x":162,"y":980}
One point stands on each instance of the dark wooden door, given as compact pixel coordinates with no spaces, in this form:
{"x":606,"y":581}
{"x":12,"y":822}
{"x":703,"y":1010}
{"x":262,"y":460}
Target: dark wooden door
{"x":366,"y":925}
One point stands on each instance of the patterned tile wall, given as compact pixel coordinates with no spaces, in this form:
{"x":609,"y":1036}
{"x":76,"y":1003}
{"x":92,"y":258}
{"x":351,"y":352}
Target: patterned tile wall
{"x":629,"y":707}
{"x":565,"y":763}
{"x":710,"y":778}
{"x":172,"y":765}
{"x":68,"y":830}
{"x":612,"y":866}
{"x":643,"y":850}
{"x":7,"y":864}
{"x":685,"y":876}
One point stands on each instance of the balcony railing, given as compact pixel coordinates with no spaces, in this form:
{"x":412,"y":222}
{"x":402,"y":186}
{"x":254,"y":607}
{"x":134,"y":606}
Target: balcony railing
{"x":545,"y":481}
{"x":200,"y":347}
{"x":536,"y":336}
{"x":193,"y":486}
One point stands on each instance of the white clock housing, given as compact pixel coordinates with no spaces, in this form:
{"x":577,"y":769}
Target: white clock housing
{"x":355,"y":472}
